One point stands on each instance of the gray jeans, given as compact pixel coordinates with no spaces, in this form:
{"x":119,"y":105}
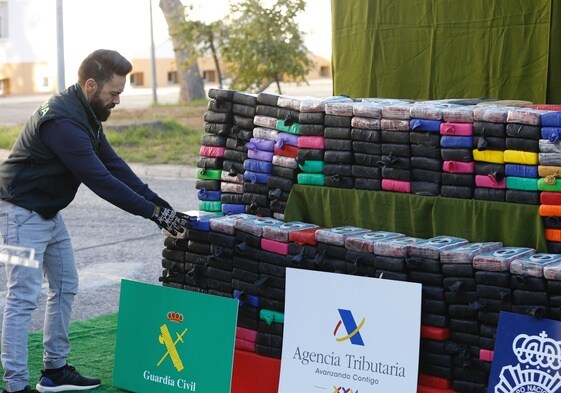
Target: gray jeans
{"x":53,"y":250}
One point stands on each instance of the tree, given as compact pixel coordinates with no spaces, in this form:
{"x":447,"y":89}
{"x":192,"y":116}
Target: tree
{"x":264,"y":45}
{"x":191,"y":83}
{"x":205,"y":40}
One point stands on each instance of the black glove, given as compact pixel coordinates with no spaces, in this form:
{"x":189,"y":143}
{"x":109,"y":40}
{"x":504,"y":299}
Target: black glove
{"x":170,"y":220}
{"x":160,"y":202}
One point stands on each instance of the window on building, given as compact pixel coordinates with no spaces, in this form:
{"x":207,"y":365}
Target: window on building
{"x":172,"y":77}
{"x":209,"y":76}
{"x":46,"y":81}
{"x":137,"y":79}
{"x":3,"y":19}
{"x":324,"y":71}
{"x":4,"y":87}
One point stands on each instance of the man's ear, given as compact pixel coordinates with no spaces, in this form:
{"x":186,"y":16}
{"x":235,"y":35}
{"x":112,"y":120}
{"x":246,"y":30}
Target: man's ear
{"x":91,"y":87}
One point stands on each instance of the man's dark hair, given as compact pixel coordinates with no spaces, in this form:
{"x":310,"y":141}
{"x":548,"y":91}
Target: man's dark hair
{"x":101,"y":65}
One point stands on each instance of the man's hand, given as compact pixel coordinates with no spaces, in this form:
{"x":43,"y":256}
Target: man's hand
{"x":170,"y":220}
{"x":160,"y":202}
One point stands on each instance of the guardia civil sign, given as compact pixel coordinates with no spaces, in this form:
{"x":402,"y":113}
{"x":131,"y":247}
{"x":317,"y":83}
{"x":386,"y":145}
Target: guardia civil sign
{"x":173,"y":340}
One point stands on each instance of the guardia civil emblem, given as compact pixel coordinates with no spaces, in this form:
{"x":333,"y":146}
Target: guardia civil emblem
{"x":171,"y":344}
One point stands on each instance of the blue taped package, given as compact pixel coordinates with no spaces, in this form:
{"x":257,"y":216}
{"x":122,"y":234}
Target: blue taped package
{"x":551,"y":119}
{"x":449,"y":141}
{"x":233,"y":208}
{"x":261,"y":166}
{"x":200,"y":219}
{"x":425,"y":125}
{"x":206,"y":195}
{"x":246,"y":298}
{"x":553,"y":134}
{"x":520,"y":170}
{"x":256,"y":177}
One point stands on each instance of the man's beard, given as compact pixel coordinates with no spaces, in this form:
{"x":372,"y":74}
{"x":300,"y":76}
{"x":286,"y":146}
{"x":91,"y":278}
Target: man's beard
{"x":101,"y":111}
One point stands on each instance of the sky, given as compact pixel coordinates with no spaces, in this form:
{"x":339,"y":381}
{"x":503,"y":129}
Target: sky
{"x":124,"y":25}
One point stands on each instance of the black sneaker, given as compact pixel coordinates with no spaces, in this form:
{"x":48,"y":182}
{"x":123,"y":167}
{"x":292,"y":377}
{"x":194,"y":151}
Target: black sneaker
{"x":63,"y":379}
{"x":27,"y":389}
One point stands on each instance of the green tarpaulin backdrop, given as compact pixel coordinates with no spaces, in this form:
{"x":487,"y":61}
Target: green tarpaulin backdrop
{"x":513,"y":224}
{"x":436,"y":49}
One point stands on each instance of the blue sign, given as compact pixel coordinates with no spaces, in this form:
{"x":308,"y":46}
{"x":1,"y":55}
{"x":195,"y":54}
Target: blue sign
{"x":527,"y":356}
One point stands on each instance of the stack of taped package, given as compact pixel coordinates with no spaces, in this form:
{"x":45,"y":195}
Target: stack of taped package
{"x":257,"y":146}
{"x":549,"y":170}
{"x":465,"y":285}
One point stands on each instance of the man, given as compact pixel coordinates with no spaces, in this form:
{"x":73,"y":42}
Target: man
{"x":61,"y":146}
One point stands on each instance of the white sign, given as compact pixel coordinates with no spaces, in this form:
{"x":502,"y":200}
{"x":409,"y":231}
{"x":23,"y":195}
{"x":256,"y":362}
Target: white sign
{"x":345,"y":333}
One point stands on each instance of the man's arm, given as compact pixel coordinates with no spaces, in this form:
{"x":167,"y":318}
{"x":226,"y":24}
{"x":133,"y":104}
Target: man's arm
{"x":120,"y":169}
{"x":72,"y":145}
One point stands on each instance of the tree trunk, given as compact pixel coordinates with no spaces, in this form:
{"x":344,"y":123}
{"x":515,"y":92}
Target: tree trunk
{"x":191,"y":85}
{"x":216,"y":64}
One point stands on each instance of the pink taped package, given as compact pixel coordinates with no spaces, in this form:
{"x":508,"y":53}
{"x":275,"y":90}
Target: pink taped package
{"x":365,"y":123}
{"x":396,"y":185}
{"x":211,"y":151}
{"x":458,"y":166}
{"x":274,"y":246}
{"x":486,"y":355}
{"x":457,"y":129}
{"x":245,"y":345}
{"x":311,"y":142}
{"x":488,"y":181}
{"x":246,"y":334}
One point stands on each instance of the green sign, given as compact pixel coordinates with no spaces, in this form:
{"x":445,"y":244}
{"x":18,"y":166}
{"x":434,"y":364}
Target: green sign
{"x":174,"y":340}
